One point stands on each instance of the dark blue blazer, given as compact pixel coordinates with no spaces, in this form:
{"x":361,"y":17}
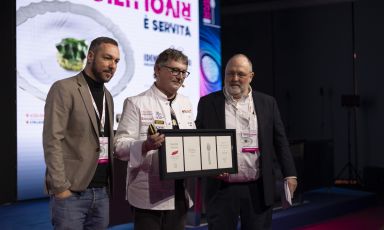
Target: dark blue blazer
{"x":271,"y":134}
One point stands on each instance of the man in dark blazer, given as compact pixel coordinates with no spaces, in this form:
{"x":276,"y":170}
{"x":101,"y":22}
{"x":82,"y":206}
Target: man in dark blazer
{"x":249,"y":194}
{"x":77,"y":141}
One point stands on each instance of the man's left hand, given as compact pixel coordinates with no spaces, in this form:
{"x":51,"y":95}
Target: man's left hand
{"x":292,"y":184}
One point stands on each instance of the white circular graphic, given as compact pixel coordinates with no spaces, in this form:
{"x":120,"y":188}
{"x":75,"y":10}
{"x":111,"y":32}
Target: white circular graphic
{"x":45,"y":24}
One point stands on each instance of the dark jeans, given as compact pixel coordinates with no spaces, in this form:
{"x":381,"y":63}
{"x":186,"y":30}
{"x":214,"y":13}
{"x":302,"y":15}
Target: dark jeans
{"x":82,"y":210}
{"x":239,"y":200}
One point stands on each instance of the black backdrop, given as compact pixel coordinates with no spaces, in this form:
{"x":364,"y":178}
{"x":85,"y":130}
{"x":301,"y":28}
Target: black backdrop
{"x":303,"y":55}
{"x":8,"y":102}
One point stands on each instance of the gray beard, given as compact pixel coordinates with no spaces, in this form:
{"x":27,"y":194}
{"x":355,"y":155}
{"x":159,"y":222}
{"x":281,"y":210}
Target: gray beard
{"x":234,"y":90}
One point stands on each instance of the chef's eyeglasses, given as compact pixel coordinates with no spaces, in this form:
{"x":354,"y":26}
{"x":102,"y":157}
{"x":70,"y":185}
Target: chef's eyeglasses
{"x":176,"y":72}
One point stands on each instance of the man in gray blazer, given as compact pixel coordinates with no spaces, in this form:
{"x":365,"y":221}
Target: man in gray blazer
{"x":260,"y":133}
{"x":77,"y":141}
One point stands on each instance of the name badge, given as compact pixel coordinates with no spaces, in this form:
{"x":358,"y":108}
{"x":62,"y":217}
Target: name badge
{"x":249,"y":143}
{"x":103,"y":154}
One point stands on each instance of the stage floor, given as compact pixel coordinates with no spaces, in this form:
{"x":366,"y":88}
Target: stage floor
{"x":315,"y":207}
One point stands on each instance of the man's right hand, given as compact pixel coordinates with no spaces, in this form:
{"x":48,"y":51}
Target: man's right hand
{"x":63,"y":195}
{"x":153,"y":142}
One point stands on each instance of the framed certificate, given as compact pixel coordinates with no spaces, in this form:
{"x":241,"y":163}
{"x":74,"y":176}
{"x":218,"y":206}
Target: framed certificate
{"x":197,"y":152}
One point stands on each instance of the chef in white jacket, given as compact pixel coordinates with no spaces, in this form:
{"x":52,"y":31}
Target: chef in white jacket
{"x":157,"y":204}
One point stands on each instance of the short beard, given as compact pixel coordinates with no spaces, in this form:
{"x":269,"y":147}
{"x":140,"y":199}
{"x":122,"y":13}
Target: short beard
{"x":97,"y":74}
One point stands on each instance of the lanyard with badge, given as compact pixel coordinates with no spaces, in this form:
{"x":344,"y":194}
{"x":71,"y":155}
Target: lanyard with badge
{"x":248,"y":134}
{"x":103,"y":154}
{"x":242,"y":117}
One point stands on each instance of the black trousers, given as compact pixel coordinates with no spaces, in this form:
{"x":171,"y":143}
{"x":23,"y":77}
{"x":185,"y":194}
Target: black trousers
{"x":145,"y":219}
{"x":239,"y":201}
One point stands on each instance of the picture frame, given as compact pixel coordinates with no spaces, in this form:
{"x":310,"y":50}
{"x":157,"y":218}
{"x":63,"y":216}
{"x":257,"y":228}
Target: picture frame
{"x":197,"y":152}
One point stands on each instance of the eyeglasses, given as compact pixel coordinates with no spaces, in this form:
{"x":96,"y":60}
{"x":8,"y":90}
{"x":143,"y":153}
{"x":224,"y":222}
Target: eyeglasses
{"x":241,"y":75}
{"x":176,"y":72}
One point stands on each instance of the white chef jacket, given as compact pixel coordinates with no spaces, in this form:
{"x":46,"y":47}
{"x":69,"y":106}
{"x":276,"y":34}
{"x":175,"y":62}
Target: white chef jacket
{"x":144,"y":189}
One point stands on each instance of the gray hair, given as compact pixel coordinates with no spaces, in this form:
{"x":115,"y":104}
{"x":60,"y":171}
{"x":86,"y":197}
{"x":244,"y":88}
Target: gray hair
{"x":171,"y":54}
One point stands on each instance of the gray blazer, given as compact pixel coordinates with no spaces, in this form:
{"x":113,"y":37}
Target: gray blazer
{"x":70,"y":135}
